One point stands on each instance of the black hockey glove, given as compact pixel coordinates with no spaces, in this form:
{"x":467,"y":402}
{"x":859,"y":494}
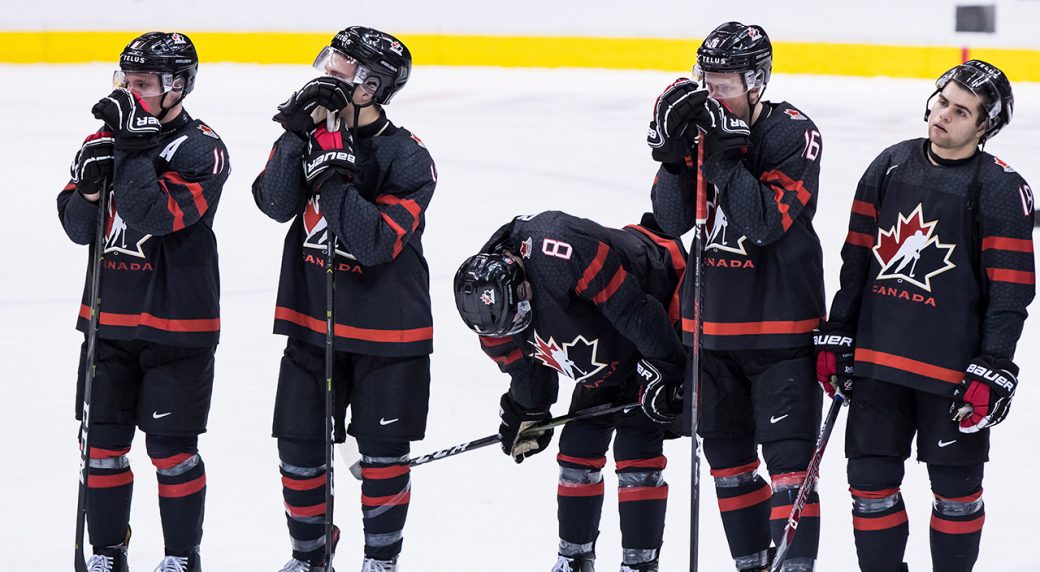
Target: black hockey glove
{"x":329,"y":153}
{"x":724,"y":132}
{"x":515,"y":420}
{"x":92,"y":167}
{"x":984,"y":396}
{"x":835,"y":356}
{"x":661,"y":390}
{"x":128,"y":117}
{"x":671,"y":134}
{"x":300,"y":112}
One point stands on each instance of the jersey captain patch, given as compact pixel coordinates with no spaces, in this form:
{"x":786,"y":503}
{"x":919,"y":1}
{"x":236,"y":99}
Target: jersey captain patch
{"x":911,"y":251}
{"x":575,"y":359}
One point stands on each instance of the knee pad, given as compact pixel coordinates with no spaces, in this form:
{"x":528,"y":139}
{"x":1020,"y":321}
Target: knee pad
{"x":787,"y":456}
{"x":109,"y":445}
{"x":173,"y":456}
{"x":957,"y":490}
{"x":371,"y":448}
{"x":725,"y":453}
{"x":875,"y":473}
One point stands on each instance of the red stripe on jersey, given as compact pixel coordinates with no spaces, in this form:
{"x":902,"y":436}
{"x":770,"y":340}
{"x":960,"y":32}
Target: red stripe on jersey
{"x":909,"y":365}
{"x":490,"y":342}
{"x":509,"y":358}
{"x":874,"y":494}
{"x":400,"y":232}
{"x":784,"y":512}
{"x":758,"y":496}
{"x":759,"y":328}
{"x":593,"y":268}
{"x":1004,"y":243}
{"x":958,"y":526}
{"x":96,"y":453}
{"x":110,"y":481}
{"x":173,"y":207}
{"x":590,"y":462}
{"x":859,"y":239}
{"x":352,"y":332}
{"x":382,"y":473}
{"x":659,"y":462}
{"x":635,"y":494}
{"x":303,"y":484}
{"x":732,"y":472}
{"x":678,"y":263}
{"x":409,"y":205}
{"x":588,"y":490}
{"x":183,"y":489}
{"x":879,"y":523}
{"x":782,"y":184}
{"x":170,"y":462}
{"x":145,"y":319}
{"x":389,"y":500}
{"x":303,"y":511}
{"x":1012,"y":276}
{"x":194,"y":188}
{"x":864,"y":208}
{"x":615,"y":283}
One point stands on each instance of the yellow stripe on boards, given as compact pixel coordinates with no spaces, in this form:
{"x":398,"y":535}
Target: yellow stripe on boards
{"x":528,"y":51}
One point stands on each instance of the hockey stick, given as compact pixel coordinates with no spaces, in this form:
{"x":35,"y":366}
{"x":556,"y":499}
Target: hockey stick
{"x":88,"y":376}
{"x":701,"y":220}
{"x":330,"y":354}
{"x":605,"y":409}
{"x":812,"y":474}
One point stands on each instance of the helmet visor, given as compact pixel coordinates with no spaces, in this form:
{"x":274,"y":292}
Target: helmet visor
{"x":342,"y":66}
{"x":725,"y":85}
{"x":146,"y":84}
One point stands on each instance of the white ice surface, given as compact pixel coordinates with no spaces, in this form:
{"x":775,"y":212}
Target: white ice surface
{"x":506,"y":142}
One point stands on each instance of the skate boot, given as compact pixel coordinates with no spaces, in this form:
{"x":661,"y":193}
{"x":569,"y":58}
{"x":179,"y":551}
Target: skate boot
{"x":641,"y":567}
{"x":373,"y":565}
{"x":189,"y":563}
{"x":316,"y":565}
{"x":578,"y":563}
{"x":108,"y":559}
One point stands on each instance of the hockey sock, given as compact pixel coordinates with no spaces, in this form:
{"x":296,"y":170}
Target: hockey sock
{"x":386,"y":490}
{"x":744,"y":504}
{"x":579,"y":499}
{"x":787,"y":460}
{"x":879,"y":520}
{"x":182,"y":491}
{"x":110,"y":484}
{"x":958,"y":514}
{"x":302,"y":464}
{"x":642,"y":500}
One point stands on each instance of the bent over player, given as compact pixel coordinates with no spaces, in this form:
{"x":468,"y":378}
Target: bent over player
{"x":552,"y":294}
{"x":763,"y":283}
{"x":160,"y":315}
{"x":367,"y":184}
{"x":937,"y":272}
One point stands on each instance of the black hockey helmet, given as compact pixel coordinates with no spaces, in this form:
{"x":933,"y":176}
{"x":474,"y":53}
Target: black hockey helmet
{"x":989,"y":84}
{"x":171,"y":55}
{"x":737,"y":48}
{"x":379,"y":56}
{"x":490,"y":293}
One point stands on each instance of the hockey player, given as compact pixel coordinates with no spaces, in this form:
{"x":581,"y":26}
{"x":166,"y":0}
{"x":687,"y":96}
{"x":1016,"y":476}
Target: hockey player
{"x":936,"y":276}
{"x":367,"y":183}
{"x":160,"y":318}
{"x":552,"y":294}
{"x":763,"y":282}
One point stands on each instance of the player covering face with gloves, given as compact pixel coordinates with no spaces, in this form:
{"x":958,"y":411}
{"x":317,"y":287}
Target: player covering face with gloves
{"x":937,"y":272}
{"x":553,"y":294}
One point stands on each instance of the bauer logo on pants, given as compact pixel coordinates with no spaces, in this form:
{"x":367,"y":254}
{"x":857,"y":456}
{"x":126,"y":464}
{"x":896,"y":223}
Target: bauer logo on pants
{"x":911,"y":251}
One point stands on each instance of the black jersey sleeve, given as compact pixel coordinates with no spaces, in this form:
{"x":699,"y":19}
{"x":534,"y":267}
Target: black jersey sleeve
{"x":765,"y":204}
{"x":280,"y":190}
{"x":673,"y":196}
{"x":532,"y":385}
{"x":375,"y":232}
{"x":78,"y":215}
{"x":856,"y":252}
{"x":1006,"y":228}
{"x":160,"y":203}
{"x":598,"y":276}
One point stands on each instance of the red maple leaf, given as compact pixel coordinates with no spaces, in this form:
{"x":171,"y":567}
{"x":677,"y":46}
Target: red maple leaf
{"x":544,"y":351}
{"x":889,"y":242}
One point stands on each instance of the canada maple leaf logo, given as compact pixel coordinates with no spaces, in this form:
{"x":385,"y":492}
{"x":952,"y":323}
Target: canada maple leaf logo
{"x":316,"y":229}
{"x":119,"y":237}
{"x":575,"y":359}
{"x":720,"y":236}
{"x":911,"y":251}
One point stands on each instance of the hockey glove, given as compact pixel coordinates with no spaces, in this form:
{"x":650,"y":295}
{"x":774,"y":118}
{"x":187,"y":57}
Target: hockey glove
{"x":661,"y":391}
{"x":835,"y":356}
{"x":511,"y":431}
{"x":308,"y":106}
{"x":329,"y":153}
{"x":724,"y":132}
{"x":984,"y":396}
{"x":128,"y":117}
{"x":671,"y":135}
{"x":92,"y":166}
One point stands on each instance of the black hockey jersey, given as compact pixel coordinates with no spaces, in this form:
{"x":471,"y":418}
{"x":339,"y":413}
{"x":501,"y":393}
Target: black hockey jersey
{"x":763,"y":265}
{"x":600,"y":301}
{"x":937,"y":266}
{"x":382,"y":279}
{"x":160,"y":280}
